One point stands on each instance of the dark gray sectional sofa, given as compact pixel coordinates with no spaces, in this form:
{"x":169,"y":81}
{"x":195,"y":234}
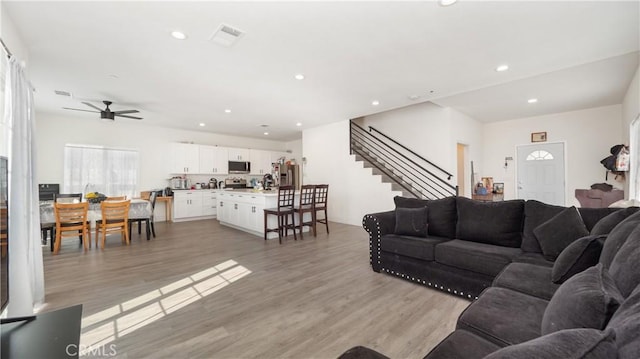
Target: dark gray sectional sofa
{"x":556,"y":283}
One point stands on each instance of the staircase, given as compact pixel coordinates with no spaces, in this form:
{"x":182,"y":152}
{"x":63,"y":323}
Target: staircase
{"x":405,"y":170}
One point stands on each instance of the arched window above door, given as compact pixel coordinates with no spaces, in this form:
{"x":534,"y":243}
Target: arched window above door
{"x":540,"y":155}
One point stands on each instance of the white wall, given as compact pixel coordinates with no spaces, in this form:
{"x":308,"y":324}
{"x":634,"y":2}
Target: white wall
{"x":53,"y":132}
{"x":467,"y":131}
{"x":353,"y":191}
{"x":588,"y":134}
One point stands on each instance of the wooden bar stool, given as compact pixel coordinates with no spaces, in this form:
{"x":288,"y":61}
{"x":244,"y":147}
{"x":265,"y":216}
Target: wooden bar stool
{"x":320,"y":204}
{"x":283,"y":211}
{"x":305,"y":205}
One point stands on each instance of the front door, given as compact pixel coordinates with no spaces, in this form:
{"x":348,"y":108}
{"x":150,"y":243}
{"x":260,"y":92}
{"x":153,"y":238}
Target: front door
{"x":540,"y":173}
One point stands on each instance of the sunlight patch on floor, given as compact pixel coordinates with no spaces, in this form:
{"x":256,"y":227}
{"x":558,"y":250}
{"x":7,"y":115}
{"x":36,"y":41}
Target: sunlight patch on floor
{"x":106,"y":326}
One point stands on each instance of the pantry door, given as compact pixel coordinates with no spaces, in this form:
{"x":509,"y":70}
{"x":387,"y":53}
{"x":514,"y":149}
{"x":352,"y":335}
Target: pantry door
{"x":541,"y":173}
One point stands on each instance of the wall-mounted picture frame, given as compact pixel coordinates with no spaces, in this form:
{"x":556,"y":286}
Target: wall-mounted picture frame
{"x":539,"y":137}
{"x":498,"y":188}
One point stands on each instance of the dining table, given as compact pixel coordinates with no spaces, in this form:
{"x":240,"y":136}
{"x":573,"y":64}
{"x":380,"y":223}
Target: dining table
{"x":138,"y":209}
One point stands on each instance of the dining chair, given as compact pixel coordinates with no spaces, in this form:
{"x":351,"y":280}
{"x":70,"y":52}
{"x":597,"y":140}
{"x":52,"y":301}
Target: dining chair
{"x":51,"y":227}
{"x":283,"y":211}
{"x":116,"y":198}
{"x":320,"y":205}
{"x":115,"y":218}
{"x":149,"y":222}
{"x":71,"y":217}
{"x":305,"y":205}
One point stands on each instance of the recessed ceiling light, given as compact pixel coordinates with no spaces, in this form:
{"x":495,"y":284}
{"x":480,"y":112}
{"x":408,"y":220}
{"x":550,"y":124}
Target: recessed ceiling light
{"x":532,"y":100}
{"x":502,"y":68}
{"x":299,"y":77}
{"x":413,"y":97}
{"x":447,"y":2}
{"x":114,"y":76}
{"x":266,"y":133}
{"x":298,"y":124}
{"x":375,"y":102}
{"x":201,"y":124}
{"x":178,"y":35}
{"x":227,"y":111}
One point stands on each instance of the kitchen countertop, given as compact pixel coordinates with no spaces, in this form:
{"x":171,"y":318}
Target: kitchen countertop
{"x":251,"y":191}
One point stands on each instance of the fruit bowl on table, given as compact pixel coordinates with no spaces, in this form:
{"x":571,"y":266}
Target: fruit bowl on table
{"x":95,"y":197}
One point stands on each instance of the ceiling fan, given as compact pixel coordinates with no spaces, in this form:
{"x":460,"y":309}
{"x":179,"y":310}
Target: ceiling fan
{"x":107,"y":114}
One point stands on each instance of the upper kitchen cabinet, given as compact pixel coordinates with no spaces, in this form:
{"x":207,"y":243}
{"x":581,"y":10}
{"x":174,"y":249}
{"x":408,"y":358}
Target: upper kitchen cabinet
{"x":185,"y":158}
{"x":260,"y":162}
{"x":239,"y":154}
{"x":277,"y":155}
{"x":214,"y":160}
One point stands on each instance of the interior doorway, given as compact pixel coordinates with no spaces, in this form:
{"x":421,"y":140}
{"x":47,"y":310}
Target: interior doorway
{"x":462,"y":169}
{"x":541,"y":173}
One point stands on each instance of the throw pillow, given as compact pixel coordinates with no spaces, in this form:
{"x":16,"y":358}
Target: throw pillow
{"x":586,"y":300}
{"x":572,"y":343}
{"x":618,"y":237}
{"x":536,"y":213}
{"x":578,"y":256}
{"x":442,"y":214}
{"x":498,"y":223}
{"x":558,"y":232}
{"x":624,"y":267}
{"x":608,"y":223}
{"x":412,"y":221}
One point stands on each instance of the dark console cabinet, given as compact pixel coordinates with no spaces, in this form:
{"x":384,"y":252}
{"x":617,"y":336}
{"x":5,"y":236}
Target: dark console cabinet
{"x":51,"y":335}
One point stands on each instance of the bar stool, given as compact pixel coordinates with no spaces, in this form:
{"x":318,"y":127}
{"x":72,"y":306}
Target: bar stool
{"x":284,"y":209}
{"x":305,"y":205}
{"x":320,"y":204}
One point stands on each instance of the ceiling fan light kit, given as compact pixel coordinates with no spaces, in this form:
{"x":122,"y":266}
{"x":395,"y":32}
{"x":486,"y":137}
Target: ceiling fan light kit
{"x":107,"y":114}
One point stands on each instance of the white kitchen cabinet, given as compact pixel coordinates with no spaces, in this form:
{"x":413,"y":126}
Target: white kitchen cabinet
{"x":185,"y":158}
{"x":209,"y":203}
{"x":238,"y":154}
{"x":260,"y":162}
{"x":277,"y":155}
{"x":213,"y":160}
{"x":194,"y":204}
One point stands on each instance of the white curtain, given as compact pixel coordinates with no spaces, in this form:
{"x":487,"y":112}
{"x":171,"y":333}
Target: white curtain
{"x":26,"y":275}
{"x":634,"y":163}
{"x":111,"y":171}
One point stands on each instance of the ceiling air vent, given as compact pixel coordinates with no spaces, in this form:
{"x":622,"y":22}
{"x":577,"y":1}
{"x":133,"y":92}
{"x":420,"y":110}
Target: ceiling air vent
{"x":62,"y":93}
{"x":226,"y":35}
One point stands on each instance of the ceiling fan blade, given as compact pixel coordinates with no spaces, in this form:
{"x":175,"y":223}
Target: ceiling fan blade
{"x":135,"y":118}
{"x":92,"y":106}
{"x":77,"y":109}
{"x":125,"y":111}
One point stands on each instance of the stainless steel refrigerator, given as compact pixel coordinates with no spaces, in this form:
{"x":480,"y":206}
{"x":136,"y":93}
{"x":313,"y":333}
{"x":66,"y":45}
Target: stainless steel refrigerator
{"x":289,"y":175}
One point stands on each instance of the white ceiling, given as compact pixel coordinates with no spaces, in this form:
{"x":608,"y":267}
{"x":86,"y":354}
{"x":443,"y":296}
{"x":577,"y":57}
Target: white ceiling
{"x":569,"y":55}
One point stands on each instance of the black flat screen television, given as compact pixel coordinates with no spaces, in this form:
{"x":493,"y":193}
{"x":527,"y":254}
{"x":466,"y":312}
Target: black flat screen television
{"x":4,"y":231}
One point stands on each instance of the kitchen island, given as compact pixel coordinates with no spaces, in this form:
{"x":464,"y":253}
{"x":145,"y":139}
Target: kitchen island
{"x":243,"y":209}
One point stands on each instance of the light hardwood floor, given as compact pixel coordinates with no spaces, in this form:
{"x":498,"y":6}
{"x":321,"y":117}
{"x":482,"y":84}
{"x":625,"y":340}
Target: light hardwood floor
{"x":204,"y":290}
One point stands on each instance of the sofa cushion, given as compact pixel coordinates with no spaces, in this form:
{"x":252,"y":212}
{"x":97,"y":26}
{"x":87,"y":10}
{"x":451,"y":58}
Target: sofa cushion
{"x":361,"y":352}
{"x":591,"y":216}
{"x":504,"y":316}
{"x":410,"y":246}
{"x":533,"y":258}
{"x":557,"y":233}
{"x":578,"y":256}
{"x":624,"y":267}
{"x":498,"y":223}
{"x":608,"y":223}
{"x":411,"y":222}
{"x":586,"y":300}
{"x":477,"y":257}
{"x":441,"y":217}
{"x":536,"y":213}
{"x":617,"y":238}
{"x":462,"y":344}
{"x":528,"y":279}
{"x":626,"y":323}
{"x":570,"y":343}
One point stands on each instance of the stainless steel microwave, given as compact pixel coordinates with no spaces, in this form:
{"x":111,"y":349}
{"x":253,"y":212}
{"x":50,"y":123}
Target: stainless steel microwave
{"x":239,"y":167}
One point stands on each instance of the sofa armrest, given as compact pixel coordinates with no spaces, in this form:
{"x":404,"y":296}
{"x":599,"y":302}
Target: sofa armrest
{"x":377,"y":225}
